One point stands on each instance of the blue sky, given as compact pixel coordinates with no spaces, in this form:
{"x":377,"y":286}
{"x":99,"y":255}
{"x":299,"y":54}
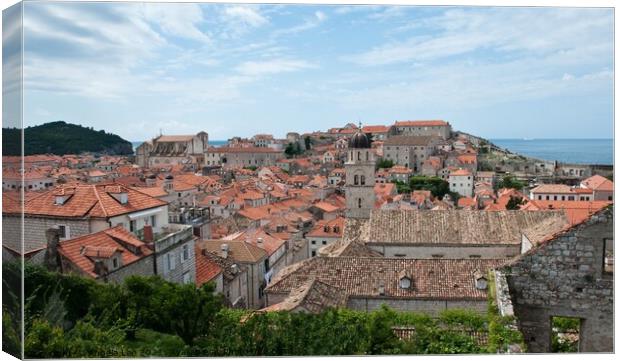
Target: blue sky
{"x":133,"y":68}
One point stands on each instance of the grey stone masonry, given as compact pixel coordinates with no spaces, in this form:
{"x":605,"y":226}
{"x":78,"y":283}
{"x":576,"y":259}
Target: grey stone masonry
{"x":565,"y":276}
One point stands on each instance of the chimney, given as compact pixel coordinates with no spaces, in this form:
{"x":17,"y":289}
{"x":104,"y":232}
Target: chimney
{"x":224,"y":248}
{"x":100,"y":268}
{"x":147,"y":233}
{"x":259,"y":241}
{"x":52,"y":261}
{"x":381,"y":289}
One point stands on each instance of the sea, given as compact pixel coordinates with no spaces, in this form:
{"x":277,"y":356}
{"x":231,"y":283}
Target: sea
{"x":586,"y":151}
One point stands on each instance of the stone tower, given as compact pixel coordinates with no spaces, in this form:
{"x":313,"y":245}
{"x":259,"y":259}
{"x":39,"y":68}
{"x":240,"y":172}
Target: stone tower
{"x":360,"y":177}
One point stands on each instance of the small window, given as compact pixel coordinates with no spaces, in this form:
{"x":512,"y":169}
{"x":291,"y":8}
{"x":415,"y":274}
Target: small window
{"x":187,"y":278}
{"x":608,"y":257}
{"x":324,"y":242}
{"x":132,"y":226}
{"x":437,"y":255}
{"x":63,"y":231}
{"x":313,"y":242}
{"x":185,"y":252}
{"x":313,"y":253}
{"x":153,"y":221}
{"x":475,"y":256}
{"x":115,"y":263}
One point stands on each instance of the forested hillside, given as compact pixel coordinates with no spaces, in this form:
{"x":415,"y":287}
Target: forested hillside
{"x":62,"y":138}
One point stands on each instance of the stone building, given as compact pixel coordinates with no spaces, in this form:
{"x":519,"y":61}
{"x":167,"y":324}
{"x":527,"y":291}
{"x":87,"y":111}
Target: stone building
{"x":78,"y":210}
{"x":462,"y":182}
{"x":360,"y":177}
{"x":428,"y":286}
{"x":238,"y":157}
{"x":230,"y":278}
{"x":110,"y":255}
{"x":173,"y":149}
{"x":602,"y":188}
{"x":253,"y":258}
{"x":409,"y":151}
{"x":437,"y":128}
{"x":567,"y":274}
{"x":448,"y":234}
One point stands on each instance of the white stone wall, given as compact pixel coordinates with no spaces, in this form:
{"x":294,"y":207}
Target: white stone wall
{"x":447,"y":251}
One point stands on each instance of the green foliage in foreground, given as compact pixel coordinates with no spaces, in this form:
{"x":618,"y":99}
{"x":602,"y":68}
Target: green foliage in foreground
{"x":147,"y":316}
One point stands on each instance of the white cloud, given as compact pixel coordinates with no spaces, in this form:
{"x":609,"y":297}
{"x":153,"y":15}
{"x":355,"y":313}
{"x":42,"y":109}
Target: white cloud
{"x":246,"y":15}
{"x":582,"y":32}
{"x":275,"y":66}
{"x":310,"y":23}
{"x":180,"y":19}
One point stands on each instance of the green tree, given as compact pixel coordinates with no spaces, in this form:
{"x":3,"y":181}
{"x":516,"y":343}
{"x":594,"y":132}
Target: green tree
{"x":511,"y":182}
{"x":515,"y":203}
{"x":436,"y":185}
{"x":384,"y":163}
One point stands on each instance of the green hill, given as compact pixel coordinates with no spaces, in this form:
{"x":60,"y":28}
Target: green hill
{"x":63,"y":138}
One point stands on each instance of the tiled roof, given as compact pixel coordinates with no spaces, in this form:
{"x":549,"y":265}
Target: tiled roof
{"x":409,"y":140}
{"x":89,"y":201}
{"x":451,"y":226}
{"x":438,"y":279}
{"x":206,"y":267}
{"x":552,"y":188}
{"x":598,"y":183}
{"x":460,"y":172}
{"x":375,"y":129}
{"x":314,"y":296}
{"x":174,"y":138}
{"x":269,"y":243}
{"x":420,"y":123}
{"x":334,"y":227}
{"x":239,"y":251}
{"x":576,"y":211}
{"x":81,"y":250}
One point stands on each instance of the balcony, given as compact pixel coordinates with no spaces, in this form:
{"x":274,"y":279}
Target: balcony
{"x":169,"y":236}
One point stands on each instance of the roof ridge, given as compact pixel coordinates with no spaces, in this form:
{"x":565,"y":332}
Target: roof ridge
{"x":105,"y":213}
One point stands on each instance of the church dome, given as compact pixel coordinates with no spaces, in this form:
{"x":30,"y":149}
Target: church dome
{"x":359,"y":140}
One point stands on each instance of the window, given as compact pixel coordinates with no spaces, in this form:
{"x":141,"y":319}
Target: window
{"x":363,"y":180}
{"x":608,"y":257}
{"x":64,"y":231}
{"x":187,"y":278}
{"x":356,"y":179}
{"x":547,"y":197}
{"x":359,"y":203}
{"x":324,"y":242}
{"x":437,"y":255}
{"x":475,"y":256}
{"x":563,"y":198}
{"x":313,"y":242}
{"x":153,"y":221}
{"x":555,"y":198}
{"x":170,"y":264}
{"x":313,"y":253}
{"x":400,"y":255}
{"x":185,"y":252}
{"x":115,"y":263}
{"x":132,"y":226}
{"x":540,"y":198}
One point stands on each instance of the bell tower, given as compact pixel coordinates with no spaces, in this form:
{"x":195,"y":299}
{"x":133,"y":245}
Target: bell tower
{"x":360,"y":177}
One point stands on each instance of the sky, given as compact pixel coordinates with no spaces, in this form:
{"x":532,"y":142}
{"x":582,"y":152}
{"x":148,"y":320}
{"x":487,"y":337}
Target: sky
{"x":136,"y":69}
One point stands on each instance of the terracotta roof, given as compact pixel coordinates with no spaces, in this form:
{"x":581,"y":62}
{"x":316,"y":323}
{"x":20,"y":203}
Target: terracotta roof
{"x":466,"y":202}
{"x":174,"y":138}
{"x":329,"y":229}
{"x":420,"y":123}
{"x":89,"y":201}
{"x":552,"y":188}
{"x":156,"y":191}
{"x":451,"y":226}
{"x":80,"y":251}
{"x":460,"y":172}
{"x":576,"y":211}
{"x":206,"y":268}
{"x":375,"y":129}
{"x":269,"y":243}
{"x":313,"y":296}
{"x":598,"y":183}
{"x":438,"y":279}
{"x":239,"y":251}
{"x":326,"y":207}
